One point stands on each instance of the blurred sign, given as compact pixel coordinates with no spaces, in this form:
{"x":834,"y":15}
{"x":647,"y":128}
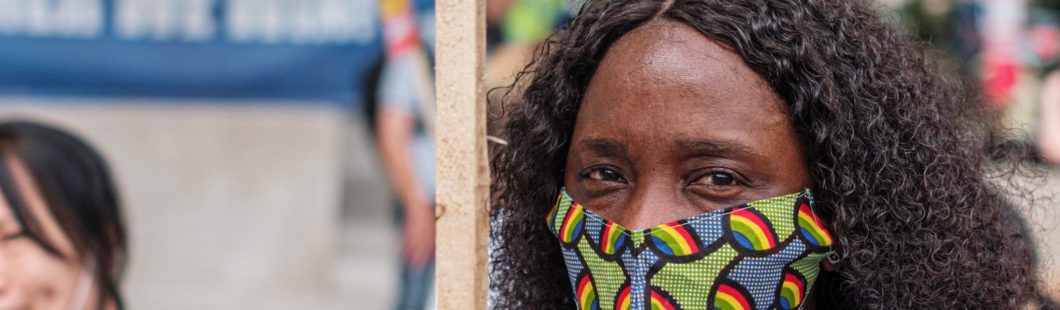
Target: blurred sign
{"x":282,"y":49}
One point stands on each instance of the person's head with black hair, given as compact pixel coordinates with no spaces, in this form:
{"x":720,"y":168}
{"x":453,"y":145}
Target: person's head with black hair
{"x":63,"y":237}
{"x":645,"y":113}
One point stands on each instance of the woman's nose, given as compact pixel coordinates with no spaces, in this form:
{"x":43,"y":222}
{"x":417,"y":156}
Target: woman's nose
{"x":649,"y":206}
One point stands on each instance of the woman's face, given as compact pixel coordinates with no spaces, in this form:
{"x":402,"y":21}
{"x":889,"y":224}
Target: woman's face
{"x":30,"y":277}
{"x":673,"y":125}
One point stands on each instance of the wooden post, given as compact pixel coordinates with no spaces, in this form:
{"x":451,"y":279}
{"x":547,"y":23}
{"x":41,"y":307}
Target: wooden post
{"x":463,"y":173}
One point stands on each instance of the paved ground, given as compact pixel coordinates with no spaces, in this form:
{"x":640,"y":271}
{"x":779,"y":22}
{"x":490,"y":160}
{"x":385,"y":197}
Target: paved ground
{"x":267,"y":205}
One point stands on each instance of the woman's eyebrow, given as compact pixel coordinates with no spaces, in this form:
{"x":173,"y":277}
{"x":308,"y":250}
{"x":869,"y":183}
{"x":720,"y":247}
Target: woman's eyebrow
{"x":714,"y":148}
{"x":602,"y":147}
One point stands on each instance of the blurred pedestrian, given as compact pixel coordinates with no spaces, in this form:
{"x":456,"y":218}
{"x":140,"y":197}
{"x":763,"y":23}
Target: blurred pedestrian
{"x":402,"y":103}
{"x":63,"y":241}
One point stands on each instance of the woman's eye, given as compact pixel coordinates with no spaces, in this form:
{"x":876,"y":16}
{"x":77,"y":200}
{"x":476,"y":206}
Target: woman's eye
{"x":14,"y":235}
{"x":717,"y":178}
{"x":604,"y":174}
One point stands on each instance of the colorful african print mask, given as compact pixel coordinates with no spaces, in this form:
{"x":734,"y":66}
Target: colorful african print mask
{"x":760,"y":255}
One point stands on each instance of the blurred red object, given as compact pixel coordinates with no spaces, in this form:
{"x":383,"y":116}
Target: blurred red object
{"x":1000,"y":79}
{"x":1046,"y":41}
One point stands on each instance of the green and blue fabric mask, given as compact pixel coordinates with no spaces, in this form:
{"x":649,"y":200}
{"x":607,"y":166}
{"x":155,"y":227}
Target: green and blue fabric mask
{"x":763,"y":254}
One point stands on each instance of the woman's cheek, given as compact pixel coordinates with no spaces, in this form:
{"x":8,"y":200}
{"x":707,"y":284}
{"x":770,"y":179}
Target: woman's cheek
{"x":47,"y":281}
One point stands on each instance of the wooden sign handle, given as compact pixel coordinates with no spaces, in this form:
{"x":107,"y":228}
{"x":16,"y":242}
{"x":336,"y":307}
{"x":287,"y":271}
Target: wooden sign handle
{"x":463,"y":170}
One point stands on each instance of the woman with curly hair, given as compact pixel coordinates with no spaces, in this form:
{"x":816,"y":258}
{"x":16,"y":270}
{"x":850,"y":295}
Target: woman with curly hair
{"x":758,"y":154}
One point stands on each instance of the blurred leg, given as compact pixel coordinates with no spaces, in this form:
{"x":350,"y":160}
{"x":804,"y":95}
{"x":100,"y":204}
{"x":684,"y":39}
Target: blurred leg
{"x":416,"y":284}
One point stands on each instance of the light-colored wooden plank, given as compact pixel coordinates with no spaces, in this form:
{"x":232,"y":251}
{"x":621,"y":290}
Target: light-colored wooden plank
{"x":463,"y":173}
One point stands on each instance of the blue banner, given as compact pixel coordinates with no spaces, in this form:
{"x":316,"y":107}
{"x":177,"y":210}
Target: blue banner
{"x":266,"y":49}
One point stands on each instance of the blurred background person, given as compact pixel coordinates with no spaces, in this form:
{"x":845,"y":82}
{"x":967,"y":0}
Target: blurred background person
{"x":62,"y":237}
{"x":1007,"y":51}
{"x":400,"y":102}
{"x":514,"y":28}
{"x":1002,"y":49}
{"x":1045,"y":30}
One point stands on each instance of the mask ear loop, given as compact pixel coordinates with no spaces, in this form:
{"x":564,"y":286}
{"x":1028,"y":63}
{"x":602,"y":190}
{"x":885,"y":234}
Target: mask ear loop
{"x":84,"y":285}
{"x":834,"y":257}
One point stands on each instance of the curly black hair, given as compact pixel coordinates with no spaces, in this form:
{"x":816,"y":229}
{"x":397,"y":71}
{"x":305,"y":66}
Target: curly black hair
{"x":899,"y":154}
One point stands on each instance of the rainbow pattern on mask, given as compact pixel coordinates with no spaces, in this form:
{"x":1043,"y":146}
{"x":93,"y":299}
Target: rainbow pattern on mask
{"x":572,"y":224}
{"x":752,"y":230}
{"x":792,"y":291}
{"x":587,"y":295}
{"x":660,"y":302}
{"x":729,"y":298}
{"x":811,"y":228}
{"x":623,"y":301}
{"x":760,"y":255}
{"x":674,"y":239}
{"x":613,"y":238}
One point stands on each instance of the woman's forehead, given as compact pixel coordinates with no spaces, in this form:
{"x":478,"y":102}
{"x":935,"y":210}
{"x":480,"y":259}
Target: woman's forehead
{"x":667,"y":77}
{"x":667,"y":47}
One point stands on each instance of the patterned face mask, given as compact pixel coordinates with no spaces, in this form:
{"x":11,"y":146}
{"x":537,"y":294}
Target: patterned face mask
{"x":764,"y":254}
